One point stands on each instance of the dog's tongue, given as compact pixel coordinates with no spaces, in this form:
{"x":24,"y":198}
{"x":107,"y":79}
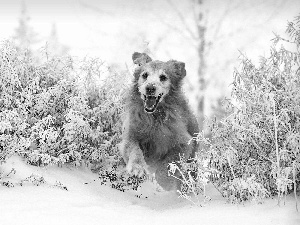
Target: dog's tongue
{"x":150,"y":102}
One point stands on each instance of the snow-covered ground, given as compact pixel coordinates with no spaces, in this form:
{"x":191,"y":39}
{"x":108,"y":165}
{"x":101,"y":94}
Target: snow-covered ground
{"x":88,"y":202}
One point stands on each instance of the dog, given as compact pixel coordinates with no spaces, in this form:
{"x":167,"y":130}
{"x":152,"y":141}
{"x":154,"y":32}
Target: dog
{"x":158,"y":121}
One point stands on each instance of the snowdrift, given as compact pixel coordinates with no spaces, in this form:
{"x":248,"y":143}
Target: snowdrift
{"x":86,"y":201}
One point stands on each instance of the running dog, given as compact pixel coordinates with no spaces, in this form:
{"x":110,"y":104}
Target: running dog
{"x":158,"y":122}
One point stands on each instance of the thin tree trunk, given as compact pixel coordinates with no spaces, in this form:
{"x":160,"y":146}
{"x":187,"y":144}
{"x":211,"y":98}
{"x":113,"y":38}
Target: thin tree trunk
{"x":201,"y":29}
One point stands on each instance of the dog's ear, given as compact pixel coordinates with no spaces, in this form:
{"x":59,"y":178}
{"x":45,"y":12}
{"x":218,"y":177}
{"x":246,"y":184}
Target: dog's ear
{"x":140,"y":58}
{"x":177,"y":67}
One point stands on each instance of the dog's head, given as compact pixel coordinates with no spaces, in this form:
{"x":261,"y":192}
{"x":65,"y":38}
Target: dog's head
{"x":156,"y":80}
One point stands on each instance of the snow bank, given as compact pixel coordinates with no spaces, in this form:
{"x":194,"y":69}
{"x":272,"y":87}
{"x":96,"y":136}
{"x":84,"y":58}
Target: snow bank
{"x":88,"y":202}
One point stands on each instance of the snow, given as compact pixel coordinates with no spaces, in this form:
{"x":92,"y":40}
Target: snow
{"x":89,"y":202}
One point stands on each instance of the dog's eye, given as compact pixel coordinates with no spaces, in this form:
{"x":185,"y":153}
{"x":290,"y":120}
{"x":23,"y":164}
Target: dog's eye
{"x":145,"y":75}
{"x":163,"y":77}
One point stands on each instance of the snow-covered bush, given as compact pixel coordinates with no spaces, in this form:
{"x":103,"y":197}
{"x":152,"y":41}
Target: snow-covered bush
{"x":255,"y":151}
{"x":193,"y":174}
{"x":59,"y":110}
{"x":257,"y":147}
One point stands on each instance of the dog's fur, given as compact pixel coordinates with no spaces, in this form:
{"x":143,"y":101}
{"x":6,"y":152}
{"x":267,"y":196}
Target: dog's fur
{"x":158,"y":122}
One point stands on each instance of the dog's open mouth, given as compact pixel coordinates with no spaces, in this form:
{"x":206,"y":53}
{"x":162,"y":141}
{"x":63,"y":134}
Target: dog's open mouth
{"x":151,"y":102}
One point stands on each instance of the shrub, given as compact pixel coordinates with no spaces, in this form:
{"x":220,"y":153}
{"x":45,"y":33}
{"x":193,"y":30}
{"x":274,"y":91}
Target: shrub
{"x":193,"y":174}
{"x":259,"y":141}
{"x":255,"y":151}
{"x":57,"y":111}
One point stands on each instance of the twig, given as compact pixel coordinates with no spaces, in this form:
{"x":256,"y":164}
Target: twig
{"x":218,"y":189}
{"x":184,"y":180}
{"x":295,"y":186}
{"x":229,"y":162}
{"x":228,"y":159}
{"x":276,"y":143}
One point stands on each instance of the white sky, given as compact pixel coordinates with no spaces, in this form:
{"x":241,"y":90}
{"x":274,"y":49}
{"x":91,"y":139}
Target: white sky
{"x":85,"y":30}
{"x":89,"y":32}
{"x":113,"y":29}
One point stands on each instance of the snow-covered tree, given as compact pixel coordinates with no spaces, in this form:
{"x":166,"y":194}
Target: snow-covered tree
{"x":25,"y":36}
{"x":53,"y":46}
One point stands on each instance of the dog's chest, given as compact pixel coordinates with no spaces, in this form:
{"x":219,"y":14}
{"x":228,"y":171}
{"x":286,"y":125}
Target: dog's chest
{"x":155,"y":136}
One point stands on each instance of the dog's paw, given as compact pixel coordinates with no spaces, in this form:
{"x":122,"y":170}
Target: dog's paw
{"x":137,"y":169}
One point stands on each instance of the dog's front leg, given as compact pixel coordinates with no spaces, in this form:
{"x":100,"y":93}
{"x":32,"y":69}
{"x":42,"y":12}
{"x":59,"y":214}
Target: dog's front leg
{"x":133,"y":157}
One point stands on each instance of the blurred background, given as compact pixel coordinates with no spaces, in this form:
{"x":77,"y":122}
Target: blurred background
{"x":208,"y":35}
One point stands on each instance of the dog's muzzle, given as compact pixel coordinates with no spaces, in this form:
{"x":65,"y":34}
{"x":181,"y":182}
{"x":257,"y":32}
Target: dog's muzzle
{"x":151,"y":102}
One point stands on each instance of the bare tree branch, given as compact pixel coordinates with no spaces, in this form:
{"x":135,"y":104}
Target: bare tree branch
{"x":194,"y":7}
{"x":177,"y":30}
{"x":183,"y":21}
{"x":220,"y":22}
{"x":277,"y":10}
{"x":95,"y":8}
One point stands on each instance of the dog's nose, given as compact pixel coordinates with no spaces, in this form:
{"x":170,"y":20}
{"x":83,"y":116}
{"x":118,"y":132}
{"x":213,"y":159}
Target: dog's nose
{"x":150,"y":89}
